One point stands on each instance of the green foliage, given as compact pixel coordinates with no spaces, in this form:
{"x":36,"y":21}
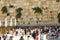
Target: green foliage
{"x":19,"y":9}
{"x":37,"y":10}
{"x":4,"y":9}
{"x":8,"y":14}
{"x":18,"y":12}
{"x":58,"y":17}
{"x":18,"y":15}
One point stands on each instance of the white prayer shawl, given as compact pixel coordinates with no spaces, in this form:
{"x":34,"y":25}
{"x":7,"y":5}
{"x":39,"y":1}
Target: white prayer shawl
{"x":31,"y":38}
{"x":38,"y":37}
{"x":8,"y":36}
{"x":58,"y":37}
{"x":16,"y":37}
{"x":1,"y":38}
{"x":45,"y":37}
{"x":41,"y":36}
{"x":25,"y":37}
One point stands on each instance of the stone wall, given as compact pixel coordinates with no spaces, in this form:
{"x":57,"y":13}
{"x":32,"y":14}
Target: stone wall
{"x":50,"y":8}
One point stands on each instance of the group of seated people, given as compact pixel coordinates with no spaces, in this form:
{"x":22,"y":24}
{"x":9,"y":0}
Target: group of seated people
{"x":45,"y":33}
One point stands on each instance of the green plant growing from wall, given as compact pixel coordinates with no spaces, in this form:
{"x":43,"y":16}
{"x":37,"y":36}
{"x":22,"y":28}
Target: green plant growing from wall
{"x":58,"y":17}
{"x":19,"y":12}
{"x":4,"y":9}
{"x":37,"y":10}
{"x":8,"y":14}
{"x":18,"y":15}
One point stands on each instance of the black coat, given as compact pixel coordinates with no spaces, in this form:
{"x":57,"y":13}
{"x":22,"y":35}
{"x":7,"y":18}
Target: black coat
{"x":34,"y":34}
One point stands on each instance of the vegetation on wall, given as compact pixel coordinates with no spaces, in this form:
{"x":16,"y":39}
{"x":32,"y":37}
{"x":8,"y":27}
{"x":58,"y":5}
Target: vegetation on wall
{"x":37,"y":10}
{"x":18,"y":15}
{"x":4,"y":9}
{"x":19,"y":12}
{"x":58,"y":17}
{"x":8,"y":14}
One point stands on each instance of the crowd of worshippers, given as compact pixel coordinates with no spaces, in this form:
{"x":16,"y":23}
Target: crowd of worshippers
{"x":45,"y":33}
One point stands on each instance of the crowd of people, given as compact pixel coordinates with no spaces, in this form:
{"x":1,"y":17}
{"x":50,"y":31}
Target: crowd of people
{"x":45,"y":33}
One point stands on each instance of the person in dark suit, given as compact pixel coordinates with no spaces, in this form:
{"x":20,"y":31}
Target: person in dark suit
{"x":34,"y":35}
{"x":21,"y":38}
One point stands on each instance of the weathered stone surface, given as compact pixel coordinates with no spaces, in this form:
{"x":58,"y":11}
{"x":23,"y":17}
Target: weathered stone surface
{"x":50,"y":8}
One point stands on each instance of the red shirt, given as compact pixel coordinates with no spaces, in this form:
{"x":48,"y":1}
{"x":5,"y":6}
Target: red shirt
{"x":36,"y":38}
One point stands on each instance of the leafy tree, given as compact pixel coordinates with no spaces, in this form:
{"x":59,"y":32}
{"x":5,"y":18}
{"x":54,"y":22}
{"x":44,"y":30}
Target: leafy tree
{"x":58,"y":17}
{"x":37,"y":10}
{"x":4,"y":9}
